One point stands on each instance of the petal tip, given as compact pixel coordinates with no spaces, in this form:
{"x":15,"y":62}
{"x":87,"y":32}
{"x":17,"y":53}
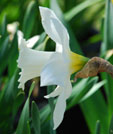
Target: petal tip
{"x":46,"y":96}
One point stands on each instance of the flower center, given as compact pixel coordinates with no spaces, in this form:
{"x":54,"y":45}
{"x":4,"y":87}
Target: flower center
{"x":77,"y":62}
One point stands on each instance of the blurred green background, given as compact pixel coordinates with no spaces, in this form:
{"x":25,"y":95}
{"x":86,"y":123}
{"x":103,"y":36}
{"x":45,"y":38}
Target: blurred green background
{"x":90,"y":106}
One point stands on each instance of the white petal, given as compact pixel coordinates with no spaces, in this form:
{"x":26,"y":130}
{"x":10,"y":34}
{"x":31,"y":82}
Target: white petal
{"x":54,"y":28}
{"x":55,"y":93}
{"x":68,"y":88}
{"x":58,"y":90}
{"x":12,"y":27}
{"x":31,"y":42}
{"x":60,"y":107}
{"x":55,"y":71}
{"x":31,"y":63}
{"x":59,"y":110}
{"x":20,"y":37}
{"x":59,"y":48}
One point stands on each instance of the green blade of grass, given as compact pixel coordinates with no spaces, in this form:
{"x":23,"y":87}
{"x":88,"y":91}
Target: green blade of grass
{"x":22,"y":127}
{"x":75,"y":10}
{"x":18,"y":102}
{"x":12,"y":59}
{"x":29,"y":19}
{"x":4,"y":26}
{"x":95,"y":108}
{"x":108,"y":24}
{"x":31,"y":88}
{"x":106,"y":45}
{"x":79,"y":90}
{"x":97,"y":129}
{"x":93,"y":90}
{"x":23,"y":124}
{"x":36,"y":118}
{"x":111,"y":126}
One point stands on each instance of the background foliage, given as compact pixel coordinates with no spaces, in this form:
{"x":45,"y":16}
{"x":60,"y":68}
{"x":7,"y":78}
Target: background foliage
{"x":89,"y":24}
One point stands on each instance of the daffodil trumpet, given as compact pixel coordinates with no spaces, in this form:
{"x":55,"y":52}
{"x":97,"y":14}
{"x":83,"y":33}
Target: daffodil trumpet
{"x":54,"y":68}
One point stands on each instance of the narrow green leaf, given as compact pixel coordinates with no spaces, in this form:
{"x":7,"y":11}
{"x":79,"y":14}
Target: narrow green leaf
{"x":31,"y":88}
{"x":45,"y":114}
{"x":18,"y":102}
{"x":93,"y":90}
{"x":29,"y":19}
{"x":22,"y":127}
{"x":75,"y":10}
{"x":95,"y":108}
{"x":11,"y":89}
{"x":108,"y":89}
{"x":28,"y":127}
{"x":111,"y":126}
{"x":36,"y":118}
{"x":108,"y":24}
{"x":4,"y":26}
{"x":4,"y":53}
{"x":79,"y":90}
{"x":106,"y":45}
{"x":12,"y":59}
{"x":97,"y":129}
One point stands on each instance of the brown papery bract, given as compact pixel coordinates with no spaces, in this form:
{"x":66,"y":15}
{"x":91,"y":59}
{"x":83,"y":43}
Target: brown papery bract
{"x":94,"y":66}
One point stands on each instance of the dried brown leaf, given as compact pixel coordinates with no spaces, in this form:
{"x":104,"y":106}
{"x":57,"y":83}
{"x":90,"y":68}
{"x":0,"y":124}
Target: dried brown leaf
{"x":94,"y":66}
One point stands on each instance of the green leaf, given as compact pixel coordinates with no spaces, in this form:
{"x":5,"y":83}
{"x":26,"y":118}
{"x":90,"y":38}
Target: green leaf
{"x":22,"y":127}
{"x":97,"y":130}
{"x":12,"y":59}
{"x":106,"y":45}
{"x":28,"y":127}
{"x":31,"y":88}
{"x":29,"y":19}
{"x":108,"y":24}
{"x":77,"y":9}
{"x":4,"y":53}
{"x":79,"y":90}
{"x":11,"y":89}
{"x":36,"y":118}
{"x":18,"y":102}
{"x":108,"y":89}
{"x":4,"y":26}
{"x":45,"y":114}
{"x":95,"y":108}
{"x":111,"y":126}
{"x":93,"y":90}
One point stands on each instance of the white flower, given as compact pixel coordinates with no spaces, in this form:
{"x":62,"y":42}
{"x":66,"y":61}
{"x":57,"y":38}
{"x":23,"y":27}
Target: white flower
{"x":12,"y":27}
{"x":30,"y":43}
{"x":54,"y":68}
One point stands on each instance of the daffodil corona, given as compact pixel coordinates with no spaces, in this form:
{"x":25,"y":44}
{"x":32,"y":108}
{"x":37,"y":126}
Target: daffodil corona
{"x":112,"y":1}
{"x":54,"y":68}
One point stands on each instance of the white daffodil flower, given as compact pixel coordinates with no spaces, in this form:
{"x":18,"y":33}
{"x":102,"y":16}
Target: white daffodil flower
{"x":55,"y":68}
{"x":12,"y":27}
{"x":31,"y":42}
